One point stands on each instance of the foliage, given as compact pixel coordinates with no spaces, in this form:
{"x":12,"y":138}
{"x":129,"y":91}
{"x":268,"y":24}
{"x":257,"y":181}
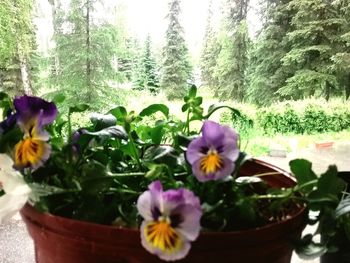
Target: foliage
{"x":16,"y":42}
{"x":85,"y":74}
{"x":210,"y":52}
{"x":176,"y":68}
{"x":266,"y":74}
{"x":146,"y":70}
{"x":310,"y":118}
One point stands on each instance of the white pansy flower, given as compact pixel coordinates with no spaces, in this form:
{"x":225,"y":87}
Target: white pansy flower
{"x":15,"y":188}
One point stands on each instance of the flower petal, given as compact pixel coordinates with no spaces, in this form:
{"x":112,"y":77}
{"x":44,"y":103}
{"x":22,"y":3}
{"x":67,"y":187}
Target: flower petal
{"x":31,"y":153}
{"x":6,"y":162}
{"x":28,"y":107}
{"x":177,"y":251}
{"x":190,"y":225}
{"x":144,"y":205}
{"x":212,"y":133}
{"x":10,"y":205}
{"x":195,"y":150}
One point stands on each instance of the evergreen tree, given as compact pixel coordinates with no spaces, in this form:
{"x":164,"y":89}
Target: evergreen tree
{"x":210,"y":53}
{"x":176,"y":69}
{"x":341,"y":59}
{"x":16,"y":45}
{"x":233,"y":56}
{"x":146,"y":71}
{"x":87,"y":55}
{"x":266,"y":73}
{"x":313,"y":41}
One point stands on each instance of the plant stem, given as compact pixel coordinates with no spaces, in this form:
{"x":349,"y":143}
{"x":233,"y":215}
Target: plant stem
{"x":188,"y":122}
{"x":267,"y":174}
{"x":136,"y":156}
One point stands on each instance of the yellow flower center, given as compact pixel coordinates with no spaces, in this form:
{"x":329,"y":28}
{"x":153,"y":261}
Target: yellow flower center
{"x":29,"y":152}
{"x":211,"y":163}
{"x":162,"y":236}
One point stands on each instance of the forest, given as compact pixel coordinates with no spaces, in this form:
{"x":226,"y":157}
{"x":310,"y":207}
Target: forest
{"x":301,"y":50}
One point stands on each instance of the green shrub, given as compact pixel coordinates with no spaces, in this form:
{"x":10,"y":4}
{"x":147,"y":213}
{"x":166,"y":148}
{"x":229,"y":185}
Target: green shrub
{"x":308,"y":116}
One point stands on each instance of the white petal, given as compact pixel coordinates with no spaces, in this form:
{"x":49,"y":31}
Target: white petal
{"x":10,"y":205}
{"x":13,"y":183}
{"x":144,"y":205}
{"x":6,"y":162}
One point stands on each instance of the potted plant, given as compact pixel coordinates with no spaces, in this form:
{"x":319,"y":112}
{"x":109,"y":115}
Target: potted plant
{"x":331,"y":240}
{"x":147,"y":187}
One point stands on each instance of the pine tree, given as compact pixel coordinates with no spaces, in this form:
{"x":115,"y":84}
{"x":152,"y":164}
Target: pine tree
{"x":313,"y":41}
{"x":233,"y":56}
{"x":210,"y":52}
{"x":146,"y":70}
{"x":266,"y":73}
{"x":83,"y":73}
{"x":341,"y":59}
{"x":176,"y":68}
{"x":16,"y":45}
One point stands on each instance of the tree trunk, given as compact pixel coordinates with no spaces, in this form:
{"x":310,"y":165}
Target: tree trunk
{"x":88,"y":59}
{"x":327,"y":91}
{"x":27,"y":86}
{"x":347,"y":88}
{"x":55,"y":4}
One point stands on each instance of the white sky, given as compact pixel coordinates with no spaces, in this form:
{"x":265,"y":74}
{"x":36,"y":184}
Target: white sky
{"x":149,"y":17}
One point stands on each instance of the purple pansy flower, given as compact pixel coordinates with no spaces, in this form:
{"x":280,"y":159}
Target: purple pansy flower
{"x":171,"y":221}
{"x":9,"y":122}
{"x":32,"y":114}
{"x":212,"y":155}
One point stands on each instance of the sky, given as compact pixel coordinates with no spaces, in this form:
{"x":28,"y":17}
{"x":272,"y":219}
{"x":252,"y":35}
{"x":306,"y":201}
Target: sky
{"x":149,"y":17}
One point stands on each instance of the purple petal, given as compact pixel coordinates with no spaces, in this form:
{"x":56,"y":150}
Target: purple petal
{"x":226,"y":170}
{"x":230,"y":150}
{"x":194,"y":150}
{"x":29,"y":107}
{"x":212,"y":133}
{"x":8,"y":123}
{"x":190,"y":225}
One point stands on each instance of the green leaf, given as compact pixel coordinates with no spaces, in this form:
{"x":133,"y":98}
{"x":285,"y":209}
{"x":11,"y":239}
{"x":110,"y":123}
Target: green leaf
{"x":59,"y":98}
{"x":157,"y":134}
{"x":79,"y":108}
{"x":302,"y":169}
{"x":198,"y":101}
{"x":3,"y":95}
{"x":119,"y":112}
{"x":185,"y":107}
{"x":343,"y":207}
{"x":161,"y":154}
{"x":155,"y":108}
{"x":192,"y":91}
{"x":329,"y":183}
{"x":103,"y":120}
{"x":113,"y":131}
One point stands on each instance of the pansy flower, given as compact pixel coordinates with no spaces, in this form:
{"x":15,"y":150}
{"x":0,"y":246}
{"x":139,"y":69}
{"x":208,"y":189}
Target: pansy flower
{"x":15,"y":188}
{"x":9,"y":122}
{"x":212,"y":155}
{"x":171,"y":221}
{"x":33,"y":114}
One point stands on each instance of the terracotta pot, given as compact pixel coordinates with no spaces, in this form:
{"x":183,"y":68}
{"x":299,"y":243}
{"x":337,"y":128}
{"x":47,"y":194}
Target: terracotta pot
{"x":62,"y":240}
